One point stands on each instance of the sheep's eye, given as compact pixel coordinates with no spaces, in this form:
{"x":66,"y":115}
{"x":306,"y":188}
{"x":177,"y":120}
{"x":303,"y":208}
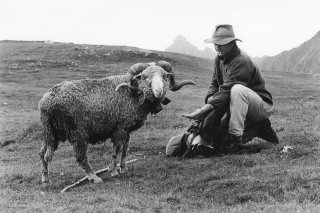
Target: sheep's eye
{"x":138,"y":77}
{"x":169,"y":75}
{"x":144,"y":77}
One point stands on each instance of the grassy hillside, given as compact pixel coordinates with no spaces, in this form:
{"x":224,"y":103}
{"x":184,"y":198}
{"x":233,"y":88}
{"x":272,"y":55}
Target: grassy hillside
{"x":264,"y":182}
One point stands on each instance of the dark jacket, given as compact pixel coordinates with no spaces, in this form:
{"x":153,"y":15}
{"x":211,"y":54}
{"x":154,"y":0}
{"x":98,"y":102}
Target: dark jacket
{"x":235,"y":68}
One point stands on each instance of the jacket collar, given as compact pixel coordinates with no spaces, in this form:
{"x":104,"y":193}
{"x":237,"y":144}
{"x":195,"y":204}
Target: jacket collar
{"x":231,"y":55}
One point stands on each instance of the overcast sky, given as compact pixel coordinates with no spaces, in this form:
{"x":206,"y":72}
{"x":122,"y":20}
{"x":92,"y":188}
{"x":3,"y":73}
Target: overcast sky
{"x":266,"y":27}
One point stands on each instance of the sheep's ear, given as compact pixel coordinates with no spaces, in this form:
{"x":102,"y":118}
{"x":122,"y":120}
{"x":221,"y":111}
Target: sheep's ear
{"x":169,"y":75}
{"x":121,"y":85}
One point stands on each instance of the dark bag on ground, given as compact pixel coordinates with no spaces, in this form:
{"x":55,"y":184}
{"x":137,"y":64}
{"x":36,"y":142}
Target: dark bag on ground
{"x":190,"y":144}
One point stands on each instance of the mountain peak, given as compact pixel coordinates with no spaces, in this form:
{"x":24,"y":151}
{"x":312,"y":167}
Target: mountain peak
{"x":181,"y":40}
{"x":181,"y":37}
{"x":182,"y":45}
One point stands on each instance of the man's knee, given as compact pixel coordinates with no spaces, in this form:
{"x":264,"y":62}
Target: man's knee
{"x":238,"y":90}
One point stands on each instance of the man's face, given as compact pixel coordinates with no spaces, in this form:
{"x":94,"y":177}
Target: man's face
{"x":223,"y":50}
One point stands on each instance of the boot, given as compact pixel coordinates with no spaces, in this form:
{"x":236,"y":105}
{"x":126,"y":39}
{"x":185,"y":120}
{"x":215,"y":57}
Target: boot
{"x":232,"y":144}
{"x":266,"y":132}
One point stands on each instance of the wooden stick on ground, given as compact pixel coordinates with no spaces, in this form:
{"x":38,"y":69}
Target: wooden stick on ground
{"x":97,"y":173}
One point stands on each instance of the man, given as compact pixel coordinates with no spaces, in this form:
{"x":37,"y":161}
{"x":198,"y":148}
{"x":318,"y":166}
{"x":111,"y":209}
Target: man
{"x":237,"y":95}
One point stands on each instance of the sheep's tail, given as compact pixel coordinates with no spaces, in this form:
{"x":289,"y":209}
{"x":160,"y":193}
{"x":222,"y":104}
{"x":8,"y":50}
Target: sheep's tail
{"x":50,"y":136}
{"x":56,"y":127}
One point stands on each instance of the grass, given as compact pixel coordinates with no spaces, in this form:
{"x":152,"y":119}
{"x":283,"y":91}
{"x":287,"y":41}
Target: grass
{"x":269,"y":181}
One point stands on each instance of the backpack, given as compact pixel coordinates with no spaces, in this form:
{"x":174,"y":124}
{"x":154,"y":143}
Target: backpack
{"x":190,"y":144}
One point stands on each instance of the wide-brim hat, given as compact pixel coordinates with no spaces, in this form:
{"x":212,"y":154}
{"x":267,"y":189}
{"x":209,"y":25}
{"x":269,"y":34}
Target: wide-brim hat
{"x":175,"y":147}
{"x":223,"y":34}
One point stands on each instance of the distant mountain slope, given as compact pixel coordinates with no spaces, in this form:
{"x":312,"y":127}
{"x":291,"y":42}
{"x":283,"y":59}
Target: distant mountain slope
{"x":181,"y":45}
{"x":304,"y":59}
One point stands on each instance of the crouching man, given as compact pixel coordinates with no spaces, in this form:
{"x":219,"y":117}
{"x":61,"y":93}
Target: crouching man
{"x":237,"y":105}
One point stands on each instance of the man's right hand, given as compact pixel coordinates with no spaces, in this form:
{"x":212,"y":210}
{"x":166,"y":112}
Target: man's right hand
{"x":196,"y":115}
{"x":199,"y":113}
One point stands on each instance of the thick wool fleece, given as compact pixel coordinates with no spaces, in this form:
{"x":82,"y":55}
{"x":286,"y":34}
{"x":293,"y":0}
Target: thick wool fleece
{"x":90,"y":109}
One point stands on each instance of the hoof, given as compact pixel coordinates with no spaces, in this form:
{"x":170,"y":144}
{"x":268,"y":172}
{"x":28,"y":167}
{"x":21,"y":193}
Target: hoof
{"x":45,"y":178}
{"x":95,"y":179}
{"x":114,"y":173}
{"x":123,"y":170}
{"x":47,"y":184}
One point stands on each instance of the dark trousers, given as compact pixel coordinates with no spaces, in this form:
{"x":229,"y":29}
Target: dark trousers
{"x":214,"y":128}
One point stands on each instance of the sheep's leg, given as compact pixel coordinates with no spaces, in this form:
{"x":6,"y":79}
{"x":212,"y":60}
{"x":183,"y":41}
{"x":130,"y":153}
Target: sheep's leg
{"x":119,"y":139}
{"x":80,"y":149}
{"x":113,"y":164}
{"x":44,"y":156}
{"x":46,"y":153}
{"x":123,"y":167}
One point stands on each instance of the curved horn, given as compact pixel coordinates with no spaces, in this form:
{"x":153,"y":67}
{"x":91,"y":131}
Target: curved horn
{"x":132,"y":71}
{"x":178,"y":85}
{"x":165,"y":65}
{"x":135,"y":70}
{"x":173,"y":85}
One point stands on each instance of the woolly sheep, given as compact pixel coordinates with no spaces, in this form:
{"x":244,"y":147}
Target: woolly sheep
{"x":93,"y":110}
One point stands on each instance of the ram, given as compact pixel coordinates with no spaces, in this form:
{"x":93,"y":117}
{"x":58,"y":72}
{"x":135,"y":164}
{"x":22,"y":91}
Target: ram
{"x":93,"y":110}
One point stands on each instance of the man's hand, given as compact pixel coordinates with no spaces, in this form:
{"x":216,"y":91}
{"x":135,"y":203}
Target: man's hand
{"x":196,"y":115}
{"x":199,"y":113}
